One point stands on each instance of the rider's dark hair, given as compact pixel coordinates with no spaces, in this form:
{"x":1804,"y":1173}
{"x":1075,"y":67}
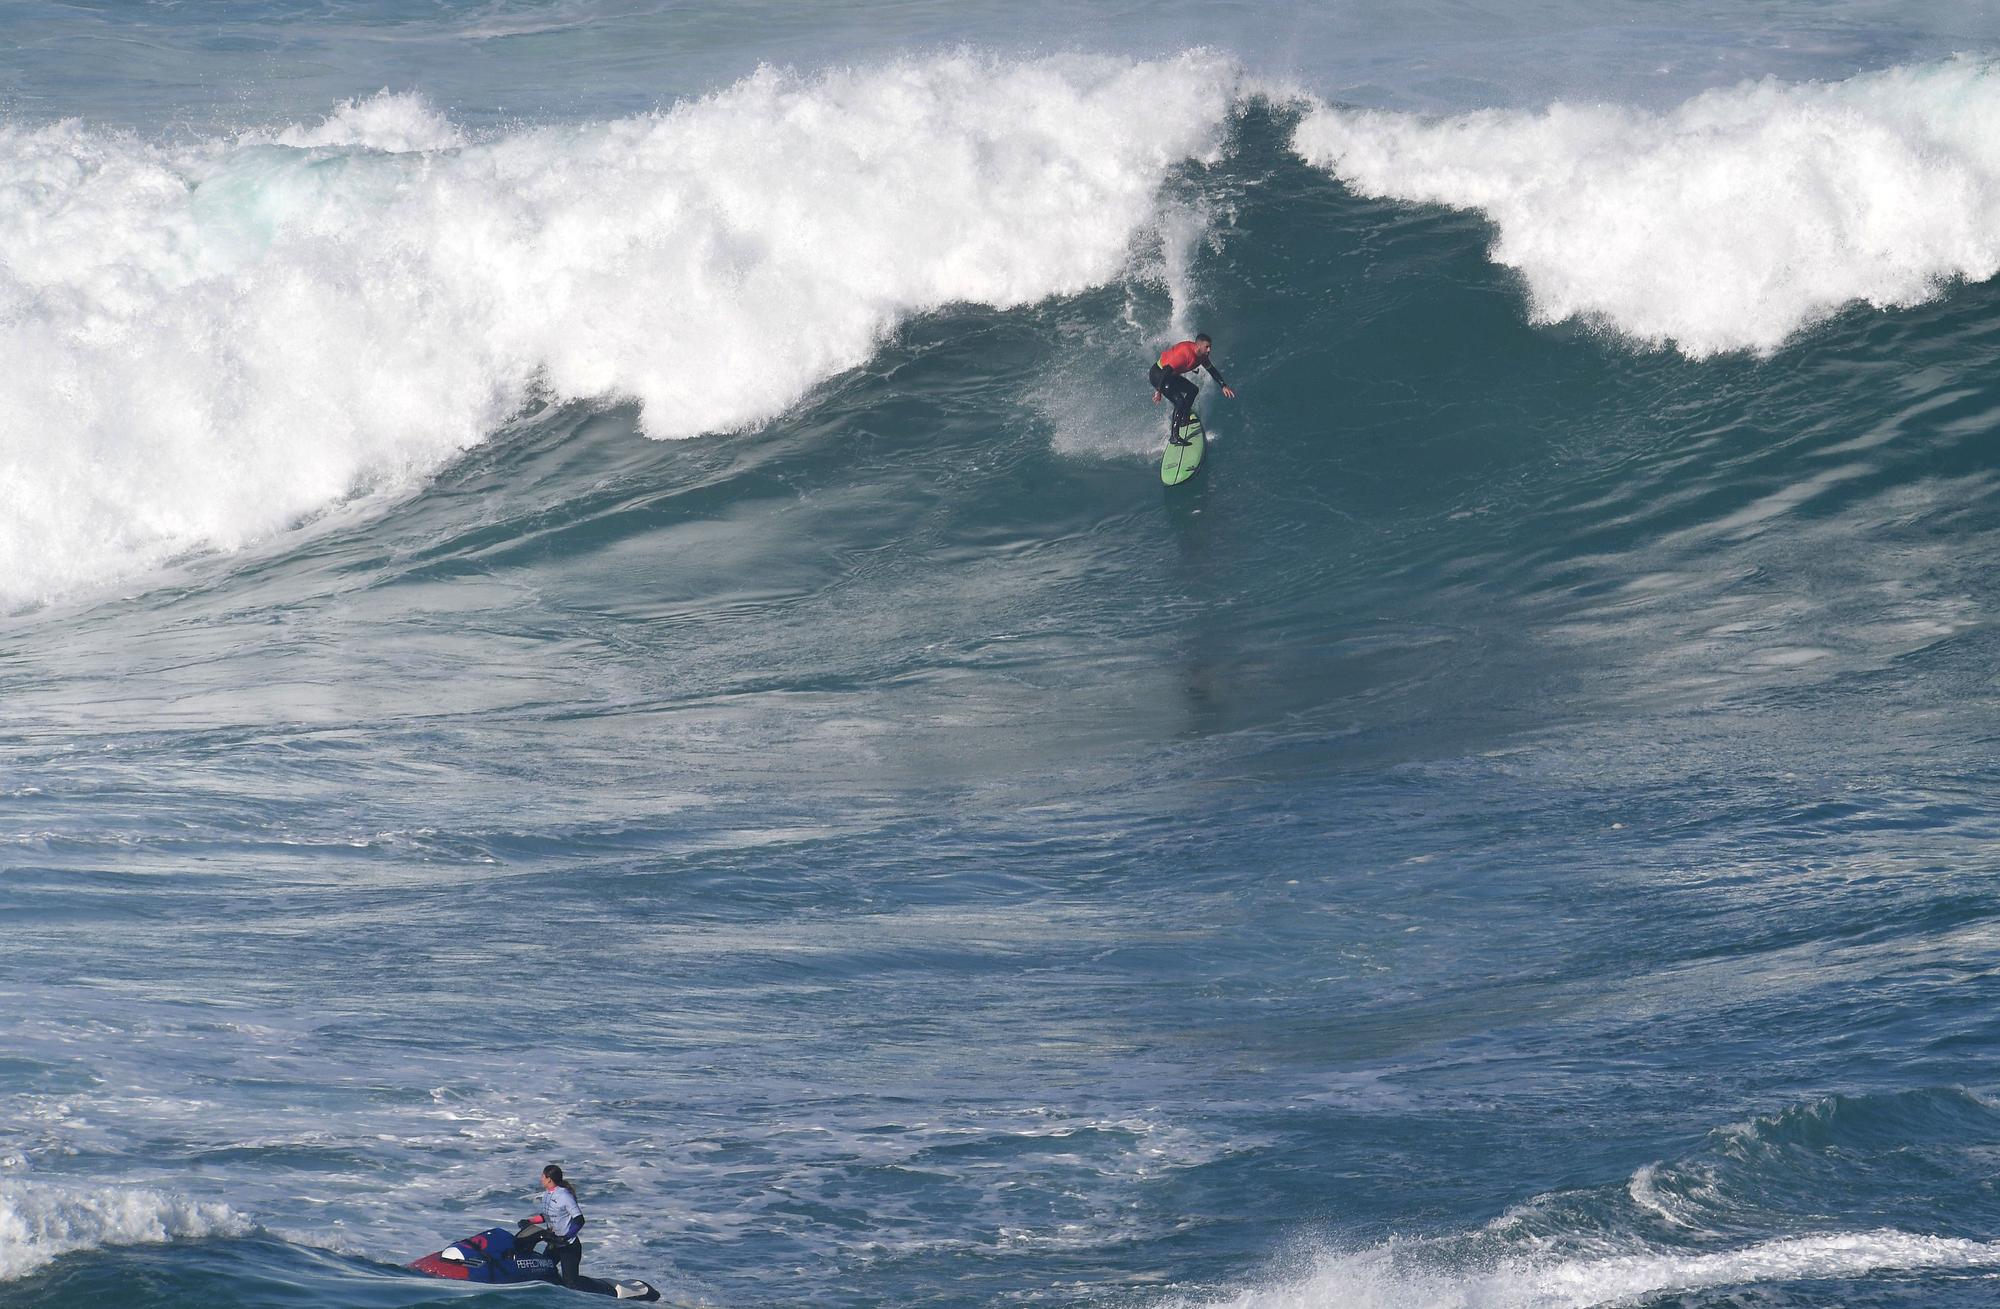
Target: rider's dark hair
{"x":1201,"y":338}
{"x":554,"y":1173}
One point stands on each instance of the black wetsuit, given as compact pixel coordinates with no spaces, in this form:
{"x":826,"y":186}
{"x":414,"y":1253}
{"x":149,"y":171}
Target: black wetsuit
{"x":568,"y":1254}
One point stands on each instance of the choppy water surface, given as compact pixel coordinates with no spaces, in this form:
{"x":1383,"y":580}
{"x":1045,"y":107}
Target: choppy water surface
{"x":643,"y":631}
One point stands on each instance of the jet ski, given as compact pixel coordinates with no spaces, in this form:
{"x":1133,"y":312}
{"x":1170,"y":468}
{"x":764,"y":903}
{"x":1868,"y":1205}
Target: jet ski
{"x":493,"y":1256}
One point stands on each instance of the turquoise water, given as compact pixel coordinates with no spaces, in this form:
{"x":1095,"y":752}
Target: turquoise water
{"x":653,"y":640}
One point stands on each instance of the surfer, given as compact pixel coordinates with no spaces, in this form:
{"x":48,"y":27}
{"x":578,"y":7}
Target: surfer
{"x":1167,"y":380}
{"x":555,"y":1226}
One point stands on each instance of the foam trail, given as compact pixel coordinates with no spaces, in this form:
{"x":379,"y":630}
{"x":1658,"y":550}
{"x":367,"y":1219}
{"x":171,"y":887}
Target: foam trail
{"x":1729,"y":223}
{"x":40,"y":1223}
{"x":211,"y":342}
{"x":1389,"y":1277}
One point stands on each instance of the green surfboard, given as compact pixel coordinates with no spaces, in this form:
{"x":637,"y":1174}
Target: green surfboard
{"x":1180,"y":461}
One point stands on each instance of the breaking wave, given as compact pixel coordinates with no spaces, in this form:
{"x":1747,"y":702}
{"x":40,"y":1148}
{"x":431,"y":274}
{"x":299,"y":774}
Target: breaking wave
{"x":1729,"y":223}
{"x":39,"y":1223}
{"x":212,"y":342}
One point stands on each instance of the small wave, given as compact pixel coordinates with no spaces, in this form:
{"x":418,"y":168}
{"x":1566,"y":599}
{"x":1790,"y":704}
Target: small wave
{"x":1409,"y":1276}
{"x":1729,"y":223}
{"x":39,"y":1223}
{"x":1727,"y":1216}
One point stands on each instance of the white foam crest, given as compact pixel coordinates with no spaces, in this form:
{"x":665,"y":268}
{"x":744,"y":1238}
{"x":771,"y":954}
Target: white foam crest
{"x":1729,"y":223}
{"x":1644,"y":1190}
{"x":1410,"y":1276}
{"x":211,"y":343}
{"x":39,"y":1223}
{"x":396,"y":122}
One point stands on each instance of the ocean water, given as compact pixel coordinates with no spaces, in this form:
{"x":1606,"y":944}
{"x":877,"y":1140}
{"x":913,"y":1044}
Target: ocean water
{"x":587,"y":582}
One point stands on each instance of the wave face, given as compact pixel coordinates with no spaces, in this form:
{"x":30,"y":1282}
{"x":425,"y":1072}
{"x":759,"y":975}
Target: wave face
{"x":1517,"y":830}
{"x":213,"y":342}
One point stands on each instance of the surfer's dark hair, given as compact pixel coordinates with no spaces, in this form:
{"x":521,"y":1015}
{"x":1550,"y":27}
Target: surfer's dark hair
{"x":554,"y":1173}
{"x":1202,"y":337}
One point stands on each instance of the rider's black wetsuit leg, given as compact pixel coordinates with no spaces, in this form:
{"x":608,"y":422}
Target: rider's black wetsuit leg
{"x":1179,"y":392}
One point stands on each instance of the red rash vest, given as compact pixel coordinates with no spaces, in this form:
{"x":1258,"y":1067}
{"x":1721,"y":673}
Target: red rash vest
{"x":1183,"y":358}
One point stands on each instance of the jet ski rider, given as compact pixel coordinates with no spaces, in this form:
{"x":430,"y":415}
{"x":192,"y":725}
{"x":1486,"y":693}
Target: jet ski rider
{"x":556,"y":1225}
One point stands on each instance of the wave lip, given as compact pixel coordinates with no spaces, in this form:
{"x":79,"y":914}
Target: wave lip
{"x":40,"y":1223}
{"x":216,"y":341}
{"x":1729,"y":223}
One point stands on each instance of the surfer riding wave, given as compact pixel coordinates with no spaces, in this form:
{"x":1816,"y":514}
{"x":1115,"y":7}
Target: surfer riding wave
{"x":1175,"y":360}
